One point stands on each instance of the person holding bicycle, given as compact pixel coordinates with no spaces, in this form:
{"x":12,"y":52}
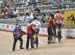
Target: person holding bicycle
{"x":58,"y":20}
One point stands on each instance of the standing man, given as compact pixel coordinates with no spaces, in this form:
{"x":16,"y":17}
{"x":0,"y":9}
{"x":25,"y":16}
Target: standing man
{"x":29,"y":35}
{"x":18,"y":33}
{"x":36,"y":24}
{"x":50,"y":29}
{"x":58,"y":18}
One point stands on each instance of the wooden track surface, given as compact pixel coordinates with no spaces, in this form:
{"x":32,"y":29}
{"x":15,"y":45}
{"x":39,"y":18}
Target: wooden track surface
{"x":66,"y":47}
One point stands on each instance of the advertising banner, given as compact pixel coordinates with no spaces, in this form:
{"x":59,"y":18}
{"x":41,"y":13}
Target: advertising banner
{"x":69,"y":18}
{"x":43,"y":31}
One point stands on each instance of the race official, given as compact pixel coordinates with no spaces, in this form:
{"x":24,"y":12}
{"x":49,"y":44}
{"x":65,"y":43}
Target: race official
{"x":36,"y":24}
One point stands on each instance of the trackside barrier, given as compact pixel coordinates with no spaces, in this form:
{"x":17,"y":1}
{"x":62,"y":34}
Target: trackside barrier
{"x":70,"y":33}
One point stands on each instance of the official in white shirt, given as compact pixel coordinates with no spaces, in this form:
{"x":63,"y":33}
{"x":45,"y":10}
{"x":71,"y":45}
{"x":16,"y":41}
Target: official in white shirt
{"x":36,"y":24}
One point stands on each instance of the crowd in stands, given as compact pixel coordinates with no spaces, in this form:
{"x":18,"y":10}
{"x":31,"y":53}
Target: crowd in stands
{"x":29,"y":11}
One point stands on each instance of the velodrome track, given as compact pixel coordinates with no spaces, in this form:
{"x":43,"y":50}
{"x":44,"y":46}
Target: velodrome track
{"x":66,"y":47}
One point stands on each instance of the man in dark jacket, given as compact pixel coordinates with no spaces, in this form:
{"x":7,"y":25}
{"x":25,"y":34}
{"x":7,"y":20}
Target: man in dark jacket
{"x":18,"y":33}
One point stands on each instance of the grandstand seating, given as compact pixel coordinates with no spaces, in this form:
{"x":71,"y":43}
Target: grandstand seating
{"x":45,"y":7}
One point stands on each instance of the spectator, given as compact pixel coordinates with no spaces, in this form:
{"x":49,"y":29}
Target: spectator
{"x":21,"y":17}
{"x":15,"y":12}
{"x":43,"y":18}
{"x":5,"y":13}
{"x":31,"y":16}
{"x":27,"y":15}
{"x":36,"y":9}
{"x":27,"y":10}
